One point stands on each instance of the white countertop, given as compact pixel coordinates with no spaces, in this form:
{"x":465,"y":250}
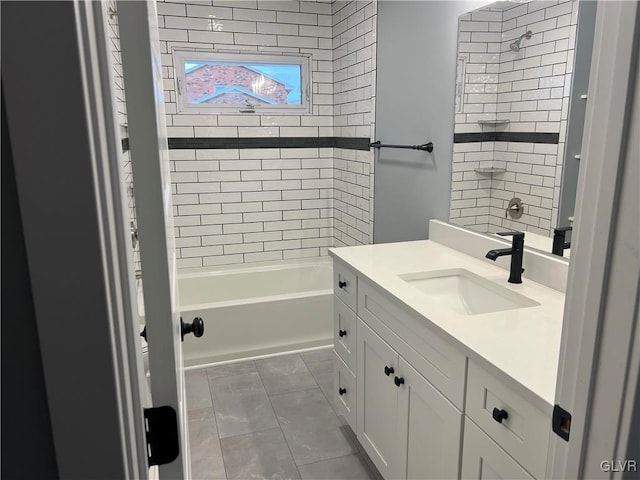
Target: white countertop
{"x":523,"y":343}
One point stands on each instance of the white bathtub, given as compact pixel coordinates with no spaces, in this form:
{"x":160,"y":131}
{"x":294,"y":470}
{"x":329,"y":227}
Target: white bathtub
{"x":252,"y":311}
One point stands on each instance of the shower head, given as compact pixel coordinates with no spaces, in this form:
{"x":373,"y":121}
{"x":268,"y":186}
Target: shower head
{"x":515,"y":46}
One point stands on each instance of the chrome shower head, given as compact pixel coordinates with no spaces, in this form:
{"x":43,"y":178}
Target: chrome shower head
{"x":515,"y":46}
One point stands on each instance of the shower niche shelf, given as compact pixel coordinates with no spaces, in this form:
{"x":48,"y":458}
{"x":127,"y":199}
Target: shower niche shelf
{"x":489,"y":170}
{"x":499,"y":121}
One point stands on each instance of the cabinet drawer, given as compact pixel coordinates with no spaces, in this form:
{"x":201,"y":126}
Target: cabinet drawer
{"x":523,"y":433}
{"x":344,"y":332}
{"x":434,"y":357}
{"x":483,"y":459}
{"x":345,"y":285}
{"x":344,"y":382}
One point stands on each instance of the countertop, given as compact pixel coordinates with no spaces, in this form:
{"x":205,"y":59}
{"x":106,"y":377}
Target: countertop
{"x":523,"y":343}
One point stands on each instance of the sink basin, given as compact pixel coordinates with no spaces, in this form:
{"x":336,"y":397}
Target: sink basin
{"x":466,"y":293}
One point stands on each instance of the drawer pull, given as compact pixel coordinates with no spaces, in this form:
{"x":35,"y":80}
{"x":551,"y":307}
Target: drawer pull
{"x":342,"y":333}
{"x":342,"y":391}
{"x":499,"y":415}
{"x":388,"y":371}
{"x":398,"y":381}
{"x":342,"y":284}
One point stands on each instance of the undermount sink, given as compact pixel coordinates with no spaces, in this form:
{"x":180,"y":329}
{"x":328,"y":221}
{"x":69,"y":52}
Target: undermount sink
{"x":466,"y":293}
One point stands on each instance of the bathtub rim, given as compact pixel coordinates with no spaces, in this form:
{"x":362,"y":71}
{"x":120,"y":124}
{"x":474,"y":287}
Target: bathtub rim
{"x":217,"y":270}
{"x":252,"y":300}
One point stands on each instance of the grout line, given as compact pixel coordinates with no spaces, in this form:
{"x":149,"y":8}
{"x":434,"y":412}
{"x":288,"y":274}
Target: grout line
{"x":215,"y":419}
{"x":280,"y":425}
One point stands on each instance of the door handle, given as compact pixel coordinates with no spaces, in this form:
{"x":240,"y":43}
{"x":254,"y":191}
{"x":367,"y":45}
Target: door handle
{"x":196,"y":327}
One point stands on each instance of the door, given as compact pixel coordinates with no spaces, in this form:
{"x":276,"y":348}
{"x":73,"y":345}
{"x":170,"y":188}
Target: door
{"x":142,"y":75}
{"x":483,"y":459}
{"x":430,"y":428}
{"x":377,"y":401}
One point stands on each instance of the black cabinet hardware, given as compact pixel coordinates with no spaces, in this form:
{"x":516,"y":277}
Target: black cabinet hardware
{"x":499,"y":415}
{"x":342,"y":284}
{"x":388,"y":371}
{"x":398,"y":381}
{"x":196,"y":327}
{"x":342,"y":333}
{"x":342,"y":391}
{"x":561,"y":422}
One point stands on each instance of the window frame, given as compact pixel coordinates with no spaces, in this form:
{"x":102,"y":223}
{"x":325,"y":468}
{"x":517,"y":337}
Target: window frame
{"x":180,"y":56}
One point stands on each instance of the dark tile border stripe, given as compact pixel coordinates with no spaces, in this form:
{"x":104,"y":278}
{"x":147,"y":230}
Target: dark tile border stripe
{"x":269,"y":142}
{"x":527,"y":137}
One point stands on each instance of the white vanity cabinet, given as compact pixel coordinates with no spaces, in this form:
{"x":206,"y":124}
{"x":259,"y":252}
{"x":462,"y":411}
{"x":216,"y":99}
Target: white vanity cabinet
{"x":483,"y":459}
{"x":408,"y":428}
{"x":410,"y":393}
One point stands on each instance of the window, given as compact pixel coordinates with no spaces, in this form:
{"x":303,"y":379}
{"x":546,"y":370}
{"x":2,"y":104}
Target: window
{"x":223,"y":82}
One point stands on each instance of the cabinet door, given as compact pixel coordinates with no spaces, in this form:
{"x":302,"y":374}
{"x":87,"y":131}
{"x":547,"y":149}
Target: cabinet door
{"x":377,"y":401}
{"x":430,"y":428}
{"x":483,"y":459}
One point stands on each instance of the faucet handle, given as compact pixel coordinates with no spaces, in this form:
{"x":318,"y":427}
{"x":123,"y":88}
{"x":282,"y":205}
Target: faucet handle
{"x":562,"y":229}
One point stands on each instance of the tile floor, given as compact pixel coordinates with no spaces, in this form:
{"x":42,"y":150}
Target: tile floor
{"x":271,"y":419}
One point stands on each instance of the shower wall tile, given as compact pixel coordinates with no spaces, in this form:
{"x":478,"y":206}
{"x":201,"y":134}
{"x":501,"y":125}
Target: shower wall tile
{"x":532,"y":89}
{"x":354,"y":66}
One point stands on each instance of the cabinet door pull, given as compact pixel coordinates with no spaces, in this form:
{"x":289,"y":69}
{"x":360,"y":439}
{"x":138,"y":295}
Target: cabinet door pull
{"x":499,"y":415}
{"x":342,"y":391}
{"x":388,"y":371}
{"x":342,"y":284}
{"x":342,"y":333}
{"x":398,"y":381}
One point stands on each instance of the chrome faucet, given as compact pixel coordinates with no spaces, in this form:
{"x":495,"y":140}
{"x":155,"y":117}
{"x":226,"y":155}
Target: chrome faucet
{"x":516,"y":251}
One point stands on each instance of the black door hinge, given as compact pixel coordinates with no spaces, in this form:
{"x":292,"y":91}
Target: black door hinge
{"x":161,"y":426}
{"x":561,"y":422}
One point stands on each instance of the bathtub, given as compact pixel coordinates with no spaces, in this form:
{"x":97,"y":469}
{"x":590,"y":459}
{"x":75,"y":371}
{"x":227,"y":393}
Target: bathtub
{"x":257,"y":310}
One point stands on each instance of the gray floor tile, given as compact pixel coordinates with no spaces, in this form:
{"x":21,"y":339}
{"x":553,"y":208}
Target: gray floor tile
{"x":230,"y":369}
{"x":351,"y":467}
{"x":241,"y":405}
{"x":323,"y":373}
{"x":285,"y":374}
{"x":317,"y":355}
{"x":206,"y":455}
{"x":312,"y":429}
{"x":261,"y":455}
{"x":197,"y":389}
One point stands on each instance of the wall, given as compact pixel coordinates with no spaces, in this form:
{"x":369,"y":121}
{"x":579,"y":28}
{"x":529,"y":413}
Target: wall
{"x":416,"y":45}
{"x":530,"y":91}
{"x":245,"y":205}
{"x":354,"y":73}
{"x":121,"y":107}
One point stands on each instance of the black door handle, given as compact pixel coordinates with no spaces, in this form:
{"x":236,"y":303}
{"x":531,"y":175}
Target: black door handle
{"x":342,"y":333}
{"x":499,"y":415}
{"x":196,"y":327}
{"x":342,"y":391}
{"x":398,"y":381}
{"x":388,"y":370}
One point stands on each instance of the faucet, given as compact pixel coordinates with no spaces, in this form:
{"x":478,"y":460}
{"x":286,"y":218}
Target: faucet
{"x":516,"y":251}
{"x":559,"y":244}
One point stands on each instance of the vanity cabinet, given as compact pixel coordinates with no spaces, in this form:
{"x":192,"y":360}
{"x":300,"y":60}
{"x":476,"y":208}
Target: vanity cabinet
{"x":410,"y":394}
{"x":483,"y":459}
{"x":407,"y":427}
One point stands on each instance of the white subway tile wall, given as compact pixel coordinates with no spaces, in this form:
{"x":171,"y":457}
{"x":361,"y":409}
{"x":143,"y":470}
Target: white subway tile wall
{"x":530,"y":89}
{"x":116,"y":64}
{"x":251,"y":205}
{"x":354,"y":66}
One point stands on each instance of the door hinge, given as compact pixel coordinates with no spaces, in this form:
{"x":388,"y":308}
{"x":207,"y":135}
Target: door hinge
{"x":161,"y":427}
{"x":561,"y":422}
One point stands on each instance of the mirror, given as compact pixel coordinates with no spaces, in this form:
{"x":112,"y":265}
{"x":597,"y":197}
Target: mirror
{"x":521,"y":83}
